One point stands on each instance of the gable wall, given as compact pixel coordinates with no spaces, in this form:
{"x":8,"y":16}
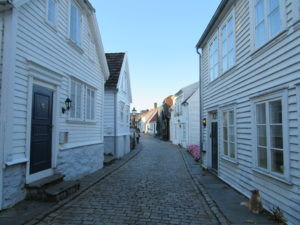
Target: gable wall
{"x":274,"y":65}
{"x":194,"y":119}
{"x":123,"y":96}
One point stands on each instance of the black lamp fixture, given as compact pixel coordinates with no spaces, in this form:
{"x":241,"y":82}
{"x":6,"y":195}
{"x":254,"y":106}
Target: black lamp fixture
{"x":134,"y":111}
{"x":204,"y":122}
{"x":68,"y":102}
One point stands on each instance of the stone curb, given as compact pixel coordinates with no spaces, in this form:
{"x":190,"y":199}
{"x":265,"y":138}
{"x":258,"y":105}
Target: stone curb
{"x":211,"y":203}
{"x":115,"y":166}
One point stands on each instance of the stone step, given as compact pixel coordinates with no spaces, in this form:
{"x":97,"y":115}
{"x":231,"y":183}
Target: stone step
{"x":52,"y":188}
{"x":108,"y":159}
{"x":62,"y":190}
{"x":55,"y":178}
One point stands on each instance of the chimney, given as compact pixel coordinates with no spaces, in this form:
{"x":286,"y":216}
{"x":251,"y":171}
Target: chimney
{"x":155,"y":105}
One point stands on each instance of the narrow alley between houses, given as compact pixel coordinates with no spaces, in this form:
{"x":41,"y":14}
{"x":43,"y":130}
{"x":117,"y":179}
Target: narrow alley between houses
{"x":152,"y":188}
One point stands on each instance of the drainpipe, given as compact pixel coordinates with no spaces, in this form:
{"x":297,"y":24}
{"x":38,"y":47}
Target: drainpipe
{"x":200,"y":104}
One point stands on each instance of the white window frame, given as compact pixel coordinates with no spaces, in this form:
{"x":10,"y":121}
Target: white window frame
{"x":268,"y":38}
{"x":78,"y":23}
{"x":214,"y":38}
{"x":225,"y":23}
{"x":92,"y":106}
{"x":227,"y":110}
{"x":73,"y":104}
{"x":52,"y":23}
{"x":269,"y":97}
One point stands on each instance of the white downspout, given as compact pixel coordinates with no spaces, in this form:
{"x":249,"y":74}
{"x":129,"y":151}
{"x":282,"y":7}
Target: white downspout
{"x":201,"y":105}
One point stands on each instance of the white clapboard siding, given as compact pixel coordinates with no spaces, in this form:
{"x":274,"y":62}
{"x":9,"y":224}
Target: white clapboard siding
{"x":194,"y":119}
{"x":275,"y":65}
{"x":1,"y":49}
{"x":39,"y":42}
{"x":109,"y":113}
{"x":124,"y":96}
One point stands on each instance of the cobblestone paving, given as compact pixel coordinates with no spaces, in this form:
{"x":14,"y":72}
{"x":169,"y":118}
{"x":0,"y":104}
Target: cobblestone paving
{"x":152,"y":188}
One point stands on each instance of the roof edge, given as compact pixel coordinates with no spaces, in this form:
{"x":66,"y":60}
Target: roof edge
{"x":212,"y":22}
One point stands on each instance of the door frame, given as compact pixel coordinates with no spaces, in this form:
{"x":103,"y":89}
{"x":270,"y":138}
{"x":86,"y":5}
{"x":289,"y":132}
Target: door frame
{"x":42,"y":77}
{"x":211,"y":119}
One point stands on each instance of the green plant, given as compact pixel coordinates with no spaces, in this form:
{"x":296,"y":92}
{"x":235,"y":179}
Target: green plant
{"x":277,"y":215}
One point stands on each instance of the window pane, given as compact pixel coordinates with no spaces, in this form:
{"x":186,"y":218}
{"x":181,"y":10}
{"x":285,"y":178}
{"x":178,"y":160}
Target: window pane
{"x":262,"y":157}
{"x":225,"y":148}
{"x":276,"y":136}
{"x":93,"y":105}
{"x":225,"y":119}
{"x":273,"y":4}
{"x":225,"y":63}
{"x":260,"y":34}
{"x":231,"y":117}
{"x":78,"y":101}
{"x":277,"y":161}
{"x":232,"y":150}
{"x":51,"y":11}
{"x":261,"y":113}
{"x":230,"y":26}
{"x":274,"y":21}
{"x":73,"y":22}
{"x":261,"y":135}
{"x":259,"y":11}
{"x":73,"y":99}
{"x":231,"y":134}
{"x":231,"y":58}
{"x":275,"y":112}
{"x":225,"y":134}
{"x":88,"y":106}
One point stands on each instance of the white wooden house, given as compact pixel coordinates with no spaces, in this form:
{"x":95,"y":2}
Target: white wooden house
{"x":145,"y":117}
{"x":250,"y":99}
{"x":51,"y":52}
{"x":117,"y":101}
{"x":182,"y":113}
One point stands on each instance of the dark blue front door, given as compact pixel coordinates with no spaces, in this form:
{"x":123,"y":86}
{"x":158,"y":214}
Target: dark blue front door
{"x":41,"y":130}
{"x":214,"y":145}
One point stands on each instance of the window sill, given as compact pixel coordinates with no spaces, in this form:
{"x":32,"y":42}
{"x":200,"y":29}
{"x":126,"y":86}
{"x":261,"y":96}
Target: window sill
{"x":75,"y":46}
{"x":223,"y":75}
{"x":281,"y":179}
{"x":269,"y":44}
{"x":230,"y":160}
{"x":17,"y":161}
{"x":81,"y":122}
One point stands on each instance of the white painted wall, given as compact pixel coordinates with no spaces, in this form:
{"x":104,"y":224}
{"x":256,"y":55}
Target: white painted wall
{"x":41,"y":54}
{"x":272,"y":67}
{"x":194,"y":119}
{"x":118,"y":102}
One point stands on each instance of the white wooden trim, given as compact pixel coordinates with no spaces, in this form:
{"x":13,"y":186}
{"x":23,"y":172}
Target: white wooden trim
{"x":282,"y":12}
{"x":8,"y":76}
{"x":283,"y":96}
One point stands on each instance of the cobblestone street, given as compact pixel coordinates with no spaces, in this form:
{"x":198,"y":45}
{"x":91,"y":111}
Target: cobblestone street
{"x":152,"y":188}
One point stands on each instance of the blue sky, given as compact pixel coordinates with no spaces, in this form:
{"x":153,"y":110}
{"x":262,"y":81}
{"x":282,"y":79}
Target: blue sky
{"x":159,"y":37}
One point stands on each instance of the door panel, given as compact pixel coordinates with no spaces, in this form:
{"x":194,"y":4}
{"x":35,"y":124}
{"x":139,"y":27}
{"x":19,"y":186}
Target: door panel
{"x":41,"y":130}
{"x":214,"y":145}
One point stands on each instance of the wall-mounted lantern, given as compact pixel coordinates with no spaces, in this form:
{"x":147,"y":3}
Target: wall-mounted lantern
{"x":68,"y":102}
{"x":204,"y":122}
